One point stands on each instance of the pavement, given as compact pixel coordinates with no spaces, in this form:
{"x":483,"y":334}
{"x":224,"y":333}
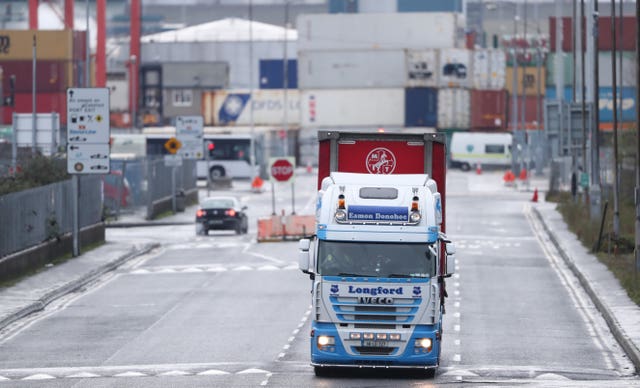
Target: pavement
{"x":34,"y":293}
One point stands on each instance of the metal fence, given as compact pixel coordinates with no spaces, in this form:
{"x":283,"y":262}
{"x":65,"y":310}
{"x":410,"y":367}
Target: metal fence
{"x":30,"y":217}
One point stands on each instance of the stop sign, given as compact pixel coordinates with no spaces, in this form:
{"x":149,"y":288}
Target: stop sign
{"x":282,"y":170}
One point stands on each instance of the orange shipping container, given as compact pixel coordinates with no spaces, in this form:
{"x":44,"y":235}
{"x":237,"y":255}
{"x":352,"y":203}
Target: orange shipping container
{"x":527,"y":80}
{"x":17,"y":45}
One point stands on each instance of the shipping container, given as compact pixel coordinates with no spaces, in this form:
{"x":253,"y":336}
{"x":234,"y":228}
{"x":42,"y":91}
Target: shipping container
{"x":422,"y":68}
{"x":272,"y":74}
{"x":79,"y":45}
{"x":352,"y":107}
{"x":626,"y":101}
{"x":527,"y":80}
{"x":17,"y":45}
{"x":347,"y":69}
{"x":45,"y":103}
{"x":489,"y":70}
{"x":429,"y":6}
{"x":118,"y":85}
{"x":180,"y":102}
{"x":197,"y":75}
{"x":377,"y":6}
{"x":51,"y":76}
{"x":530,"y":113}
{"x":379,"y":31}
{"x":343,"y":6}
{"x":455,"y":68}
{"x":625,"y":42}
{"x":236,"y":54}
{"x":421,"y":107}
{"x":605,"y":74}
{"x":232,"y":107}
{"x":454,"y":109}
{"x":488,"y":110}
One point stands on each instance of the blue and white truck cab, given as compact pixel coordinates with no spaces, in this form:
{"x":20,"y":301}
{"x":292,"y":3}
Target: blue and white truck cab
{"x":377,"y":292}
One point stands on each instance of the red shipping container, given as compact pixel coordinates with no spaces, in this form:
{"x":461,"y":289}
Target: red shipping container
{"x":488,"y":110}
{"x":625,"y":41}
{"x":530,"y":114}
{"x":45,"y":103}
{"x":51,"y":76}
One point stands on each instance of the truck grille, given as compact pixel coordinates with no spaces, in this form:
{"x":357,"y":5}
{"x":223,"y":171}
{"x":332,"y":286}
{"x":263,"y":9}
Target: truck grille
{"x":374,"y":351}
{"x":401,"y":312}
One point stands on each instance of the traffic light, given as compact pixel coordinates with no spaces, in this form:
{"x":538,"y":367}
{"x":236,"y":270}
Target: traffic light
{"x":10,"y":100}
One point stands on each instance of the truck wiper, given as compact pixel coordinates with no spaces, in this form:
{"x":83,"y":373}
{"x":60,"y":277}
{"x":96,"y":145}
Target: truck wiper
{"x":404,"y":275}
{"x":350,"y":274}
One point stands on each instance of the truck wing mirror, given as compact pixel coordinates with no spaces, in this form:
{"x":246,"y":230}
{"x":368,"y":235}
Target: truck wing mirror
{"x":450,"y":249}
{"x":303,"y":255}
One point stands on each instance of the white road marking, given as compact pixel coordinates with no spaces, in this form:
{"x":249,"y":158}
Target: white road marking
{"x":457,"y":358}
{"x":40,"y":376}
{"x":457,"y":342}
{"x":131,"y":374}
{"x":456,"y":327}
{"x":213,"y":372}
{"x":83,"y":375}
{"x":252,"y":371}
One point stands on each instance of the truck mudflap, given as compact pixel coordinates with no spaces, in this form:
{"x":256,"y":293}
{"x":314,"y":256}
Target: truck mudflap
{"x":405,"y":353}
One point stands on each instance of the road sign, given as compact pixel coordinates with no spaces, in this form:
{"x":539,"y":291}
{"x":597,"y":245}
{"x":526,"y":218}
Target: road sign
{"x":282,"y":169}
{"x":88,"y":115}
{"x":88,"y":158}
{"x":189,"y":130}
{"x":172,"y":145}
{"x":88,"y":131}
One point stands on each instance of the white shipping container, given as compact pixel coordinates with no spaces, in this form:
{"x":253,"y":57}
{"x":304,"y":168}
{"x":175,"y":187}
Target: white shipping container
{"x":422,"y":68}
{"x":455,"y":68}
{"x":118,"y":94}
{"x":454,"y":108}
{"x":232,"y":107}
{"x":351,"y":69}
{"x":413,"y":30}
{"x":489,"y":70}
{"x":352,"y":107}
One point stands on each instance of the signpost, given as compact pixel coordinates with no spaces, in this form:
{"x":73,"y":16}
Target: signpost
{"x":88,"y":135}
{"x":282,"y":170}
{"x":189,"y":132}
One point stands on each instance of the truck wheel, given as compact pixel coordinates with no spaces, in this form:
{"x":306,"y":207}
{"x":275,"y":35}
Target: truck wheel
{"x":465,"y":167}
{"x":216,"y":172}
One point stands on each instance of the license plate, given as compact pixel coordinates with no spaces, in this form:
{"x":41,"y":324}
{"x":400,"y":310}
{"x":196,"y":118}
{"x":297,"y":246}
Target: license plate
{"x":215,"y":222}
{"x":376,"y":344}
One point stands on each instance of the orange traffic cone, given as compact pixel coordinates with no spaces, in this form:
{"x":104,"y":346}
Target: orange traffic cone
{"x":535,"y":195}
{"x":523,"y":174}
{"x":309,"y":168}
{"x":478,"y":169}
{"x":256,"y":184}
{"x":508,"y":177}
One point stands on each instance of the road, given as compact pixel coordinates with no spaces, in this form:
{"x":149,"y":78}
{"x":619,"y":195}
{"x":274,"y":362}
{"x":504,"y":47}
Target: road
{"x":223,"y":310}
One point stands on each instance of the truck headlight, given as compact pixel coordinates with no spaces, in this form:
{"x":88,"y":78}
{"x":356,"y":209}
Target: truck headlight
{"x":415,"y":217}
{"x":325,"y":340}
{"x":424,"y":343}
{"x":341,"y":215}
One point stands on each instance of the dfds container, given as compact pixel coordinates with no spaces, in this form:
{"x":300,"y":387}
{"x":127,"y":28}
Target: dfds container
{"x":345,"y":69}
{"x":422,"y":68}
{"x":200,"y":75}
{"x":55,"y":45}
{"x":421,"y":107}
{"x":420,"y":30}
{"x":272,"y":74}
{"x":455,"y":68}
{"x":527,"y":81}
{"x":488,"y":110}
{"x":352,"y":107}
{"x":454,"y":108}
{"x":232,"y":107}
{"x":626,"y":100}
{"x":489,"y":70}
{"x":626,"y":42}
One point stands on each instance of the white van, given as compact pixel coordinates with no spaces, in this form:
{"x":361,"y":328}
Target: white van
{"x":468,"y":149}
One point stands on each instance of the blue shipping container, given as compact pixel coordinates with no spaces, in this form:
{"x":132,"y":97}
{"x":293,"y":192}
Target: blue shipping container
{"x":272,"y":74}
{"x":626,"y":97}
{"x":421,"y":107}
{"x":343,"y":6}
{"x":430,"y":6}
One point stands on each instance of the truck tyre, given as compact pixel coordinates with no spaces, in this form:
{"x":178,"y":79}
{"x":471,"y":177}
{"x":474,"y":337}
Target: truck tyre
{"x":239,"y":227}
{"x":216,"y":172}
{"x":465,"y":166}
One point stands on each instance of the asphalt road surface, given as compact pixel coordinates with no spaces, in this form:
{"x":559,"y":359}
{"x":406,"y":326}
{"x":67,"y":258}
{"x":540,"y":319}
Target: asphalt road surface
{"x":225,"y":311}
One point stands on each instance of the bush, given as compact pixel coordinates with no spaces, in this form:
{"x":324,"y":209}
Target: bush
{"x":34,"y":172}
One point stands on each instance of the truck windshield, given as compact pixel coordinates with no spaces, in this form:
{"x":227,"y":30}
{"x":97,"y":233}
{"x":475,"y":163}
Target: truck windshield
{"x":374,"y":259}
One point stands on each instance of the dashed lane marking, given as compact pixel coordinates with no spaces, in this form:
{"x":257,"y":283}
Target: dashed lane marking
{"x":206,"y":268}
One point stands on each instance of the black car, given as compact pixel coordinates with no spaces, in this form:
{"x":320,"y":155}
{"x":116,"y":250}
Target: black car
{"x":221,"y":213}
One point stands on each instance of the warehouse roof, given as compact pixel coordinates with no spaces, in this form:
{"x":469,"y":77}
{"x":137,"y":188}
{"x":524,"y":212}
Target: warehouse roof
{"x":224,"y":30}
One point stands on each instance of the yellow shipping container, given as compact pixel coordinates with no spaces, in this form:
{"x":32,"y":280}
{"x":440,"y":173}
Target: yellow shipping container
{"x":527,"y":80}
{"x":56,"y":45}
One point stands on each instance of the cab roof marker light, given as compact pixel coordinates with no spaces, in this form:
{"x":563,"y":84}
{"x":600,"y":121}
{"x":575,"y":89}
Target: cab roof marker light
{"x":414,"y":203}
{"x":341,"y":201}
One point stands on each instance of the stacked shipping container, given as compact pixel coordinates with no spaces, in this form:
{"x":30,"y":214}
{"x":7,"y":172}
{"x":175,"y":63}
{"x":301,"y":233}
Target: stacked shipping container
{"x":59,"y":57}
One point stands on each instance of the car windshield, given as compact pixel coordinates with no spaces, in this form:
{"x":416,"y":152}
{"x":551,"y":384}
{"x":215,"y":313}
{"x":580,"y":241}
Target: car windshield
{"x":374,"y":259}
{"x":218,"y":203}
